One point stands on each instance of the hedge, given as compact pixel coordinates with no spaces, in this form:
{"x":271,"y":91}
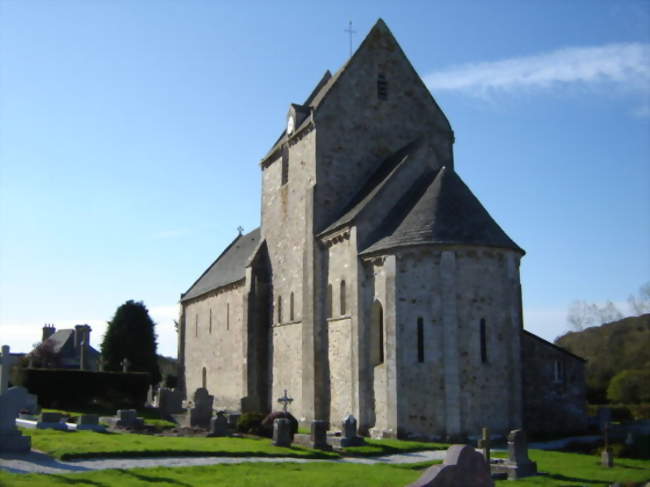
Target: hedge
{"x":66,"y":388}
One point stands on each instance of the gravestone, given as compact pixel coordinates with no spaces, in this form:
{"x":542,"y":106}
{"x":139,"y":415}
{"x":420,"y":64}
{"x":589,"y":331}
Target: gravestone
{"x":463,"y":466}
{"x":52,"y":421}
{"x":518,"y":463}
{"x":282,"y":432}
{"x":350,"y":437}
{"x":318,"y":436}
{"x":89,"y":422}
{"x":128,"y":418}
{"x":219,"y":425}
{"x":201,"y":413}
{"x":233,"y":419}
{"x":5,"y":368}
{"x":126,"y":363}
{"x":169,"y":401}
{"x":607,"y":455}
{"x":11,"y":402}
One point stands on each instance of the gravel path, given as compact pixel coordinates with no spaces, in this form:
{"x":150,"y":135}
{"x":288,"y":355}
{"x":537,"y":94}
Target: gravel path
{"x":36,"y":462}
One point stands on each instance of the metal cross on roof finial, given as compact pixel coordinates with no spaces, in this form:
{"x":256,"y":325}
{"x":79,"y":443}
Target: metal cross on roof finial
{"x":240,"y":229}
{"x":285,"y":400}
{"x":350,"y":32}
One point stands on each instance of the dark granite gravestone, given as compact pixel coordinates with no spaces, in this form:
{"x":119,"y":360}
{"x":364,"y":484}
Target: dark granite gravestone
{"x":282,"y":432}
{"x":11,"y":402}
{"x":201,"y":413}
{"x":519,"y":465}
{"x":350,"y":437}
{"x":51,"y":421}
{"x":318,"y":437}
{"x":219,"y":425}
{"x":463,"y":467}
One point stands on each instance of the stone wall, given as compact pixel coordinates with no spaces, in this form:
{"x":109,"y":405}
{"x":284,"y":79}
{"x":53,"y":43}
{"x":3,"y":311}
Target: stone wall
{"x":287,"y":366}
{"x":554,"y":388}
{"x":213,"y":340}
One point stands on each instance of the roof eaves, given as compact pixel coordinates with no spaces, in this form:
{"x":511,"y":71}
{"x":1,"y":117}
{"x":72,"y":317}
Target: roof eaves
{"x":551,"y":344}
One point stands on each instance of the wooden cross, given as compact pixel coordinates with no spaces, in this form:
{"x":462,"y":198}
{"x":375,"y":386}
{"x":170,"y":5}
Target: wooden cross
{"x":350,"y":32}
{"x":484,"y":443}
{"x":126,"y":363}
{"x":285,"y":400}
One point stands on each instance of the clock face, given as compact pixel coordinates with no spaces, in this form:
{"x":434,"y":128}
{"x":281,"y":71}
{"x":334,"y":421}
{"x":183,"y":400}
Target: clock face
{"x":290,"y":125}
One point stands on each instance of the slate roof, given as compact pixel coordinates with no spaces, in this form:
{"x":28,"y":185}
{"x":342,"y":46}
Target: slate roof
{"x":229,"y":267}
{"x":60,"y":338}
{"x":440,"y":209}
{"x":373,"y":185}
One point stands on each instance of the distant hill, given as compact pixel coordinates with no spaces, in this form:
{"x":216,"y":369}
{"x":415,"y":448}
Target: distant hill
{"x":610,"y":349}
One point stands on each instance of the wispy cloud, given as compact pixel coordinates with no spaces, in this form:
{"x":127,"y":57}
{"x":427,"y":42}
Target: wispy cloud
{"x":624,"y":65}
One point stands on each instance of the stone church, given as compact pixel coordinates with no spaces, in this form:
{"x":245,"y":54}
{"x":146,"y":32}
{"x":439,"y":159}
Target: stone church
{"x":377,"y":284}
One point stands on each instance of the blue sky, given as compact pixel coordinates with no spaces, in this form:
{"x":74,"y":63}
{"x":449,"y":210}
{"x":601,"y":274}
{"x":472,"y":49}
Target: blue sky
{"x":131,"y":132}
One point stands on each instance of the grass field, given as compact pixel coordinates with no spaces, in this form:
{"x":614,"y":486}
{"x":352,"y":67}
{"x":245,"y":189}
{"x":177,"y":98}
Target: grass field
{"x":87,"y":444}
{"x":560,"y":469}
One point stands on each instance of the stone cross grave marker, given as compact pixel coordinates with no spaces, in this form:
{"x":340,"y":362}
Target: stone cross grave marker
{"x":11,"y":402}
{"x":484,"y":444}
{"x":607,"y":456}
{"x":5,"y":367}
{"x":285,"y":400}
{"x":126,"y":363}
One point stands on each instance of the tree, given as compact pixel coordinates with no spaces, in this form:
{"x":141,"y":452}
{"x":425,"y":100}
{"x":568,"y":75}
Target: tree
{"x":582,"y":315}
{"x":641,"y":304}
{"x":131,"y":335}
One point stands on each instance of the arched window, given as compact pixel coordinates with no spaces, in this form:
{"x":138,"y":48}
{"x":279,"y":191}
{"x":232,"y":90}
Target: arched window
{"x":210,"y":322}
{"x":204,"y":378}
{"x":377,"y":334}
{"x":227,"y":316}
{"x":342,"y":298}
{"x":483,"y":341}
{"x":420,"y":340}
{"x":291,"y":314}
{"x":329,"y":300}
{"x":279,"y":309}
{"x":558,"y":371}
{"x":196,"y":325}
{"x":285,"y":164}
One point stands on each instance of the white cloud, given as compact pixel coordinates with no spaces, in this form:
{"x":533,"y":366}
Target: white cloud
{"x":623,"y":65}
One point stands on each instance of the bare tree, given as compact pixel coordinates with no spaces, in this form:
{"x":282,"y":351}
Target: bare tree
{"x":608,"y":313}
{"x":640,"y":304}
{"x":582,"y":315}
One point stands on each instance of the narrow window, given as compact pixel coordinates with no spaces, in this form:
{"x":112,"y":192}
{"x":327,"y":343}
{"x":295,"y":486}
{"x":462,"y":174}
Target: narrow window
{"x":558,"y":371}
{"x":382,"y":87}
{"x":483,"y":342}
{"x":342,"y":298}
{"x":210,"y":323}
{"x":204,"y":378}
{"x":377,"y":334}
{"x":279,"y":309}
{"x":329,"y":300}
{"x":420,"y":340}
{"x":285,"y":164}
{"x":227,"y":316}
{"x":196,"y":325}
{"x":291,"y":315}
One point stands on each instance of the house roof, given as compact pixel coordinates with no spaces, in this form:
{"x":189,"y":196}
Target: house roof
{"x":60,"y":338}
{"x":440,"y":209}
{"x":229,"y":267}
{"x":553,"y":345}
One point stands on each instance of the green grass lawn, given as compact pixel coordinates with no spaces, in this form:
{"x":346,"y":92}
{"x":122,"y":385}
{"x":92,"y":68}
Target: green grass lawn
{"x":88,"y":444}
{"x":563,"y":469}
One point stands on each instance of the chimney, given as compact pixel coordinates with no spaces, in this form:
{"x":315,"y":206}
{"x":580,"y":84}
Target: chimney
{"x":48,"y":331}
{"x":81,"y":333}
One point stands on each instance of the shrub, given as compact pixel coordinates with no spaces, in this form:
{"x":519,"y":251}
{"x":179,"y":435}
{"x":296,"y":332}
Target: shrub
{"x":630,"y":386}
{"x":68,"y":388}
{"x":267,"y":423}
{"x":251,"y":423}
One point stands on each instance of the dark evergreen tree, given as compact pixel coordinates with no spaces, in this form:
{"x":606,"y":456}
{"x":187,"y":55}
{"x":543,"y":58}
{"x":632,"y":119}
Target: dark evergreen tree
{"x":131,"y":335}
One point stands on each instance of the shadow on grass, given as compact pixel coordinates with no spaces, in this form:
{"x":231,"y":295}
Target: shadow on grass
{"x":557,"y":476}
{"x":151,"y":478}
{"x":73,"y":481}
{"x":378,"y":450}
